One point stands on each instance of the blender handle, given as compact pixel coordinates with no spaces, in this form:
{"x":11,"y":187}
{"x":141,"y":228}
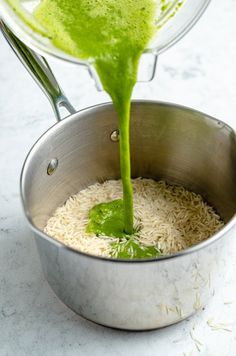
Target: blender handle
{"x":39,"y":69}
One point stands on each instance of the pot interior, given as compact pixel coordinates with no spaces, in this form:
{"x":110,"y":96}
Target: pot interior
{"x":168,"y":142}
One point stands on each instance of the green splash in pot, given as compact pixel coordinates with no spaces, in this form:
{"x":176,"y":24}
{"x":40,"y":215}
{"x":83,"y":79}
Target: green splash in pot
{"x":107,"y":219}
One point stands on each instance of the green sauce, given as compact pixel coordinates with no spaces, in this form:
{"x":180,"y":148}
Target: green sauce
{"x":112,"y":34}
{"x":108,"y":219}
{"x":132,"y":249}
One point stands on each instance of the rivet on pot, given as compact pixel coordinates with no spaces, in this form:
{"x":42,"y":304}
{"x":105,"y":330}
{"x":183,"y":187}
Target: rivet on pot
{"x":52,"y":166}
{"x":115,"y":135}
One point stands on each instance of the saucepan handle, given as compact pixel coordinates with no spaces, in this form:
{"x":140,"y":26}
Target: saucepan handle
{"x":39,"y":69}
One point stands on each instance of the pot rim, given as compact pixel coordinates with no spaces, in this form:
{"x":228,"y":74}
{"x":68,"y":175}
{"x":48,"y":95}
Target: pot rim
{"x":215,"y":237}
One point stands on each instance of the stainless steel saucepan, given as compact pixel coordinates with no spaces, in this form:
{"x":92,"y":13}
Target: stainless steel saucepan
{"x":170,"y":142}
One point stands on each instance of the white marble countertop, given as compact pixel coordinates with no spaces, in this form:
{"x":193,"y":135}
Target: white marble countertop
{"x":200,"y":71}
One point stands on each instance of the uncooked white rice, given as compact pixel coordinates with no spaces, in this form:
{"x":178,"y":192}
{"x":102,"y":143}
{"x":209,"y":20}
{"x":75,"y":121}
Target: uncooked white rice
{"x":171,"y":217}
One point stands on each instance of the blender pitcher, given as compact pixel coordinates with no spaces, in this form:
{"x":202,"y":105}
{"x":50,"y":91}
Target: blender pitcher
{"x":174,"y":18}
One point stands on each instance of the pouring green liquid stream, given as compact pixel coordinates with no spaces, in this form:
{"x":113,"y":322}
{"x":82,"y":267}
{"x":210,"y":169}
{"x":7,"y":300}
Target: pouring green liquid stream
{"x":112,"y":34}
